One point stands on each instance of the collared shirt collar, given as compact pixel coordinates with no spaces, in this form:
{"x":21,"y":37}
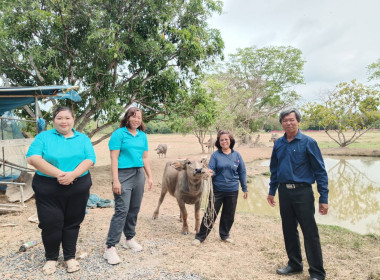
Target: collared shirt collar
{"x":127,"y":131}
{"x":298,"y":136}
{"x":76,"y":133}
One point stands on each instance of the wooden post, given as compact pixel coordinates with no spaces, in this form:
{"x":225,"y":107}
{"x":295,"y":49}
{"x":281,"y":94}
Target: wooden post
{"x":21,"y":185}
{"x":2,"y":148}
{"x":36,"y":112}
{"x":22,"y":194}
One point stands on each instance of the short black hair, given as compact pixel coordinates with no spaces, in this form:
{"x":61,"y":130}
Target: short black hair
{"x":220,"y":133}
{"x":62,"y":108}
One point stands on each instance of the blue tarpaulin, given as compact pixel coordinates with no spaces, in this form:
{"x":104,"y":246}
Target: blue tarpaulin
{"x":14,"y":97}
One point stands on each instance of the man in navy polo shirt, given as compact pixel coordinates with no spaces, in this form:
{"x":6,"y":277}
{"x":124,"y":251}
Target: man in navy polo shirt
{"x":296,"y":163}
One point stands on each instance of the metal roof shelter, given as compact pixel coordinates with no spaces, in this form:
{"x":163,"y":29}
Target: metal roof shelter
{"x":14,"y":97}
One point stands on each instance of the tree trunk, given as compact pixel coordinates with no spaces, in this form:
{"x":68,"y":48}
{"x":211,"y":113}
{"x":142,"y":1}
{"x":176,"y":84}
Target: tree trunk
{"x":101,"y":139}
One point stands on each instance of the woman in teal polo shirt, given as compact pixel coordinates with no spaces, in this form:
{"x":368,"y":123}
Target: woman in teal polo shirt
{"x":62,"y":157}
{"x":129,"y":158}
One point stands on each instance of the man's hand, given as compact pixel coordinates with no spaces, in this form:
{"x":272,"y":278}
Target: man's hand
{"x":323,"y":208}
{"x":245,"y":195}
{"x":270,"y":200}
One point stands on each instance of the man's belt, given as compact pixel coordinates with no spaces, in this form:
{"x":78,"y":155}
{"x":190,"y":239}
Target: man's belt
{"x":295,"y":185}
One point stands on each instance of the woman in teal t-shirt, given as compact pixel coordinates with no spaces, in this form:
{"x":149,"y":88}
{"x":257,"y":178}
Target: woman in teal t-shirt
{"x":129,"y":158}
{"x":62,"y":157}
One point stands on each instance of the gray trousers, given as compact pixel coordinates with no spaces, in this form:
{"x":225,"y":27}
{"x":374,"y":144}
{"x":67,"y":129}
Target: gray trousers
{"x":127,"y":205}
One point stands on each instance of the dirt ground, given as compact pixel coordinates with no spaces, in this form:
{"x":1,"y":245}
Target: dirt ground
{"x":256,"y":254}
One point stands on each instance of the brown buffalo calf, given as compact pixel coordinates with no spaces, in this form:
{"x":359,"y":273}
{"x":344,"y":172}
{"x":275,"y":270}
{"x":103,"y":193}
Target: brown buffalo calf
{"x":183,"y":180}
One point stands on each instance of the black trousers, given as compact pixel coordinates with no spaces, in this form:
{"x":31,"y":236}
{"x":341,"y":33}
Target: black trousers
{"x":297,"y":206}
{"x":61,"y":210}
{"x":229,"y":201}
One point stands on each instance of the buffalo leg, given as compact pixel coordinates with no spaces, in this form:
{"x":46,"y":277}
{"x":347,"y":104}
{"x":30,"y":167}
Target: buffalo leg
{"x":185,"y":226}
{"x":164,"y":190}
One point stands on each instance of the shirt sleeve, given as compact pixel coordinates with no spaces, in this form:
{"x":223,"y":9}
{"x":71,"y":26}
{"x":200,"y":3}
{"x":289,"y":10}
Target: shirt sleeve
{"x":37,"y":147}
{"x":319,"y":170}
{"x":146,"y":143}
{"x":89,"y":150}
{"x":212,"y":164}
{"x":242,"y":174}
{"x":273,"y":184}
{"x":115,"y":141}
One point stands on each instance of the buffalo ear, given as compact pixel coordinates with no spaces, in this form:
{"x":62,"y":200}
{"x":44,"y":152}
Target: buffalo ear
{"x":179,"y":164}
{"x":204,"y":160}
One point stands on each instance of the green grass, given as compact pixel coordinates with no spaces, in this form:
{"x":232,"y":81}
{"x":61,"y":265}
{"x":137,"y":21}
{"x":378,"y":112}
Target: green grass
{"x":345,"y":238}
{"x":369,"y":140}
{"x":359,"y":145}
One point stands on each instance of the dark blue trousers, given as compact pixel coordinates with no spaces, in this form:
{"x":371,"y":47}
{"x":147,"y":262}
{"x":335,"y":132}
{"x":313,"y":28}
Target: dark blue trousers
{"x":297,"y":207}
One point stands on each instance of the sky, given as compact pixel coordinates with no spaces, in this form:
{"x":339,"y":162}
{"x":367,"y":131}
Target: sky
{"x":338,"y":38}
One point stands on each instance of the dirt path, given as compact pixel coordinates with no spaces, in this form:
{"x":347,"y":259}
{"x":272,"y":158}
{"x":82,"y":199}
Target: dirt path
{"x":258,"y":250}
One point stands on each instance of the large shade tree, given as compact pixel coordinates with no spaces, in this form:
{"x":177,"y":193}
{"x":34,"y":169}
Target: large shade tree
{"x":255,"y":84}
{"x":143,"y":52}
{"x":196,"y":114}
{"x":346,"y":113}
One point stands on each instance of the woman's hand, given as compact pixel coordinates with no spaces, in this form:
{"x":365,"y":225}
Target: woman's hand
{"x":245,"y":195}
{"x":150,"y":184}
{"x":66,"y":178}
{"x":116,"y":187}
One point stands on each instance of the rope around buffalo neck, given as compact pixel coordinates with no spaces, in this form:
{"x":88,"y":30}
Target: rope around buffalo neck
{"x":207,"y":203}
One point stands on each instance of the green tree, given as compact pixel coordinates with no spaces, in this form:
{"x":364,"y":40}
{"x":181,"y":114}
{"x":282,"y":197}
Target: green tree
{"x":218,"y":88}
{"x":348,"y":112}
{"x":196,"y":114}
{"x":256,"y":83}
{"x":374,"y":71}
{"x":119,"y":52}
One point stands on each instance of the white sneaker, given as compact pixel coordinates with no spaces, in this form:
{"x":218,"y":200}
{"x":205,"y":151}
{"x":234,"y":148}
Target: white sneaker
{"x":196,"y":242}
{"x":132,"y":244}
{"x":228,"y":240}
{"x":110,"y":254}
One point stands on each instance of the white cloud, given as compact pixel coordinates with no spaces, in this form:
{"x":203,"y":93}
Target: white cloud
{"x":338,"y":38}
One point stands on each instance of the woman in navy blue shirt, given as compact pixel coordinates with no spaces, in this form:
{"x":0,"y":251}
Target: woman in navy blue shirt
{"x":62,"y":157}
{"x":228,"y":169}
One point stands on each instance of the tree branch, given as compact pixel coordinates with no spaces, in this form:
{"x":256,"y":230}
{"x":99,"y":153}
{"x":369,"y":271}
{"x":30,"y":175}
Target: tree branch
{"x":87,"y":117}
{"x":327,"y":132}
{"x":5,"y":80}
{"x":35,"y":69}
{"x":101,"y":139}
{"x":100,"y":128}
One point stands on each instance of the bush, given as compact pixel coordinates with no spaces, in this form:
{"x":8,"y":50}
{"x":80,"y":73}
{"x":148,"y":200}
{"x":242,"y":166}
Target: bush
{"x":158,"y":127}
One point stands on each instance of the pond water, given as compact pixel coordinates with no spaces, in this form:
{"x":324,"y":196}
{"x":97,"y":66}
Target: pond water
{"x":354,"y":197}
